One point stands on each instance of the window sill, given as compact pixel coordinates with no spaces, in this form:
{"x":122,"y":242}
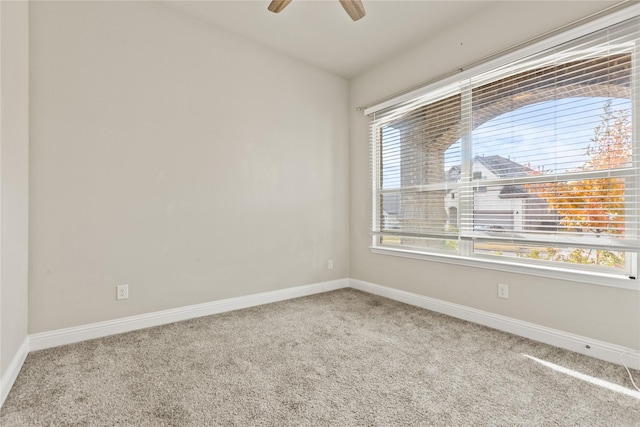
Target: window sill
{"x":589,"y":277}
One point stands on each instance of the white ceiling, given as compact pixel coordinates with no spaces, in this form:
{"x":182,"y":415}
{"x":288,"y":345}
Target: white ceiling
{"x":321,"y":33}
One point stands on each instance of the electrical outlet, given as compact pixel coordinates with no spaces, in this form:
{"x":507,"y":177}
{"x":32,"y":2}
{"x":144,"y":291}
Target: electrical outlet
{"x":122,"y":291}
{"x":503,"y":291}
{"x":330,"y":264}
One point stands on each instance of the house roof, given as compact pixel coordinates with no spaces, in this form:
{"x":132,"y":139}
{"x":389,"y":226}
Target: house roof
{"x":503,"y":168}
{"x":513,"y":191}
{"x":453,"y":173}
{"x":498,"y":165}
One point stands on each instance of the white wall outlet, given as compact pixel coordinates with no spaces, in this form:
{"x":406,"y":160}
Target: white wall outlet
{"x":122,"y":291}
{"x":330,"y":264}
{"x":503,"y":291}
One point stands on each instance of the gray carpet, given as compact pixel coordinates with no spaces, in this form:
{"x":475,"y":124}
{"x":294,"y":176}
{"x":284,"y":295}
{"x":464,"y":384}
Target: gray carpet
{"x":342,"y":358}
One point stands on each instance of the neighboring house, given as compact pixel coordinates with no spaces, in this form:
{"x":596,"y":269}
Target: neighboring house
{"x":500,"y":207}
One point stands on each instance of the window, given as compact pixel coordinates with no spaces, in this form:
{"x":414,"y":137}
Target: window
{"x":532,"y":163}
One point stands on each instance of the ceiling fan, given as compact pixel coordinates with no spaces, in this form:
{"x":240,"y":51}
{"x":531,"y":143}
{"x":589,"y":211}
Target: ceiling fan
{"x":354,"y":8}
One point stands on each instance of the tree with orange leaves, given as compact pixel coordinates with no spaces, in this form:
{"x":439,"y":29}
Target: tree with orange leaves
{"x":595,"y":205}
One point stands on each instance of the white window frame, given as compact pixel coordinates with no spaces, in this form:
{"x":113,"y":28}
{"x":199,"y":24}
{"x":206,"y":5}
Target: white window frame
{"x":466,"y":255}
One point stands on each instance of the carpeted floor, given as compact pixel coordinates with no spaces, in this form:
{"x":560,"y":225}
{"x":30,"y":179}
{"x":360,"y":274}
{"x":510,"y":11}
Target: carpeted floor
{"x":342,"y":358}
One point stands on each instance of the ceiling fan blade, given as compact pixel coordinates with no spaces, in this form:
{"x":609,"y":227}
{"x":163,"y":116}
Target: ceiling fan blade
{"x":354,"y":8}
{"x":276,"y":6}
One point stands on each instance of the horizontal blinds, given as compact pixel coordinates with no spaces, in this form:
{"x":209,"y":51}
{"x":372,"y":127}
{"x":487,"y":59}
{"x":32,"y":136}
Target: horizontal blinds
{"x":541,"y":150}
{"x":411,"y":148}
{"x":556,"y":143}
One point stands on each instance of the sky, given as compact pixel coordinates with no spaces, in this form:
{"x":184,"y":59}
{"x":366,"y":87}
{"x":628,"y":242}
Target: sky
{"x":530,"y":135}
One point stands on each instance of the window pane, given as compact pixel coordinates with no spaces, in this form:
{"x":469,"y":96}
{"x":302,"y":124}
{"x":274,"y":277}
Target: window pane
{"x":416,"y":182}
{"x":598,"y":258}
{"x":421,"y":243}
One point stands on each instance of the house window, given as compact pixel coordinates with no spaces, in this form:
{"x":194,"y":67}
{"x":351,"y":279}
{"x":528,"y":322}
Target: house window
{"x":552,"y":139}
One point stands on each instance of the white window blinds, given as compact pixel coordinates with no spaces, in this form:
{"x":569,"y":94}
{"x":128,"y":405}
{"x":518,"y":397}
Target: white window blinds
{"x":536,"y":160}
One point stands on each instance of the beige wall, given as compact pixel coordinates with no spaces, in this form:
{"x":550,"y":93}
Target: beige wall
{"x":14,"y":177}
{"x":600,"y":312}
{"x":178,"y":159}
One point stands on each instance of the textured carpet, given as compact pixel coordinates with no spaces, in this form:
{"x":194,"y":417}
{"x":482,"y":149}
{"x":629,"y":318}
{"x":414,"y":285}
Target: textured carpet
{"x":341,"y":358}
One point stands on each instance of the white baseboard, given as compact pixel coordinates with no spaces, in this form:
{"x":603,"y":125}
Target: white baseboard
{"x":598,"y":349}
{"x":9,"y":377}
{"x":71,"y":335}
